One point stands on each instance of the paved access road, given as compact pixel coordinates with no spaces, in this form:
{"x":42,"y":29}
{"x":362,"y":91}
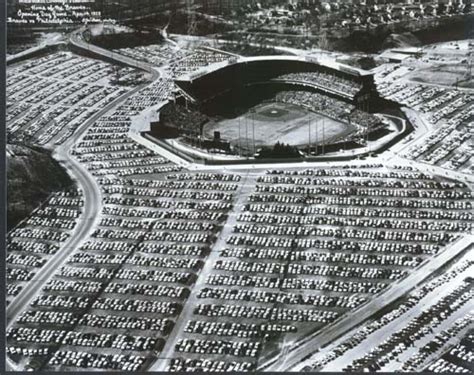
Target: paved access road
{"x":90,"y":188}
{"x":300,"y":351}
{"x":240,"y":197}
{"x":86,"y":224}
{"x":397,"y":324}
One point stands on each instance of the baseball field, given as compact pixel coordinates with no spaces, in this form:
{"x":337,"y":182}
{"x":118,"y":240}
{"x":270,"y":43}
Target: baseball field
{"x":269,"y":123}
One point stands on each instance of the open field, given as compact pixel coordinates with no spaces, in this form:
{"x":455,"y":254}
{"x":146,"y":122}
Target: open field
{"x":447,"y":75}
{"x":445,"y":64}
{"x":278,"y":122}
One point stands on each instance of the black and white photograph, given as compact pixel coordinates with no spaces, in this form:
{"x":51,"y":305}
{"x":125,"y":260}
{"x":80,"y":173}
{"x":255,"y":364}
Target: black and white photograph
{"x":238,"y":186}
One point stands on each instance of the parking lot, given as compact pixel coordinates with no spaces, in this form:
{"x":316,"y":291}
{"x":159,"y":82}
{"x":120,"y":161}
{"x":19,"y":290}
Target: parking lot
{"x":35,"y":241}
{"x":157,"y":225}
{"x":448,"y":112}
{"x":298,"y":257}
{"x":49,"y":97}
{"x":279,"y":254}
{"x":412,"y":334}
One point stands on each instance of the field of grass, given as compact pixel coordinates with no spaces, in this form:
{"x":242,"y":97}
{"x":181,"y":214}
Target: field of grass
{"x":446,"y":75}
{"x":269,"y":123}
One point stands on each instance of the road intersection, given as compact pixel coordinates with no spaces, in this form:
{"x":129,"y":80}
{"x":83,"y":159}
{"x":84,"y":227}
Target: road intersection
{"x":294,"y":355}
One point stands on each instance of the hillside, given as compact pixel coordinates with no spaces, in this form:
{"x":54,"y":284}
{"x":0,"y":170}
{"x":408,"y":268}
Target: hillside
{"x":401,"y":41}
{"x":32,"y":174}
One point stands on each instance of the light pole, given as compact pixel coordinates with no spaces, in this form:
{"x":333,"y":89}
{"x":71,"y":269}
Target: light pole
{"x":247,"y":136}
{"x":240,"y":141}
{"x":253,"y":130}
{"x":309,"y":137}
{"x":316,"y":138}
{"x":324,"y":120}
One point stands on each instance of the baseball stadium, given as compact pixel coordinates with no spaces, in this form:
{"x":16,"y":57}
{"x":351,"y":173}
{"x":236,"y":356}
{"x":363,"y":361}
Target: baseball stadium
{"x":275,"y":107}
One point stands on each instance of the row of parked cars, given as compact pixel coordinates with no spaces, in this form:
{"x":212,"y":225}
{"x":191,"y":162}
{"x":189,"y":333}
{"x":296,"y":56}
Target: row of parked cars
{"x":270,"y":314}
{"x":286,"y":298}
{"x":61,"y":90}
{"x":450,"y":110}
{"x":32,"y":243}
{"x":359,"y":335}
{"x":290,"y":250}
{"x":208,"y":365}
{"x":437,"y":344}
{"x":414,"y":330}
{"x":87,"y":360}
{"x":460,"y":358}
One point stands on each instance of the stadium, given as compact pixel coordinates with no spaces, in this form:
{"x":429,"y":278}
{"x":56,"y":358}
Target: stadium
{"x":246,"y":106}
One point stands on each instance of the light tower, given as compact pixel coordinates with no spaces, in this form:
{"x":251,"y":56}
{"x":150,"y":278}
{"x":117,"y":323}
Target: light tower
{"x":190,"y":10}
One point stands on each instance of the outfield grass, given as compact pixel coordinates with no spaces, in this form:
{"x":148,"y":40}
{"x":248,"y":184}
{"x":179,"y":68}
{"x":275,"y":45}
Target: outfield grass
{"x":269,"y":123}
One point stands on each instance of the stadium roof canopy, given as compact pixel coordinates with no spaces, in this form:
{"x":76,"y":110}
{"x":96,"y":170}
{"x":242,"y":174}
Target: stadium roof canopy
{"x":328,"y":63}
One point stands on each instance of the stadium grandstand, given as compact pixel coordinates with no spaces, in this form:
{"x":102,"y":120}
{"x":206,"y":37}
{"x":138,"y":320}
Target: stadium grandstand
{"x":240,"y":105}
{"x":352,"y":85}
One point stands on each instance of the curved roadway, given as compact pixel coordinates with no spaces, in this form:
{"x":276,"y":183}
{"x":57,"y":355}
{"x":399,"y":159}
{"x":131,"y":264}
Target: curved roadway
{"x":91,"y":193}
{"x":92,"y":209}
{"x":298,"y":352}
{"x":77,"y":40}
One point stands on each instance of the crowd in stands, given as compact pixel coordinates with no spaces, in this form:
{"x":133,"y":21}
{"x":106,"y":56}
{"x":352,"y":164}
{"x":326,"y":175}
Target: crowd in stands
{"x":186,"y":120}
{"x":328,"y":82}
{"x":317,"y":102}
{"x":331,"y":107}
